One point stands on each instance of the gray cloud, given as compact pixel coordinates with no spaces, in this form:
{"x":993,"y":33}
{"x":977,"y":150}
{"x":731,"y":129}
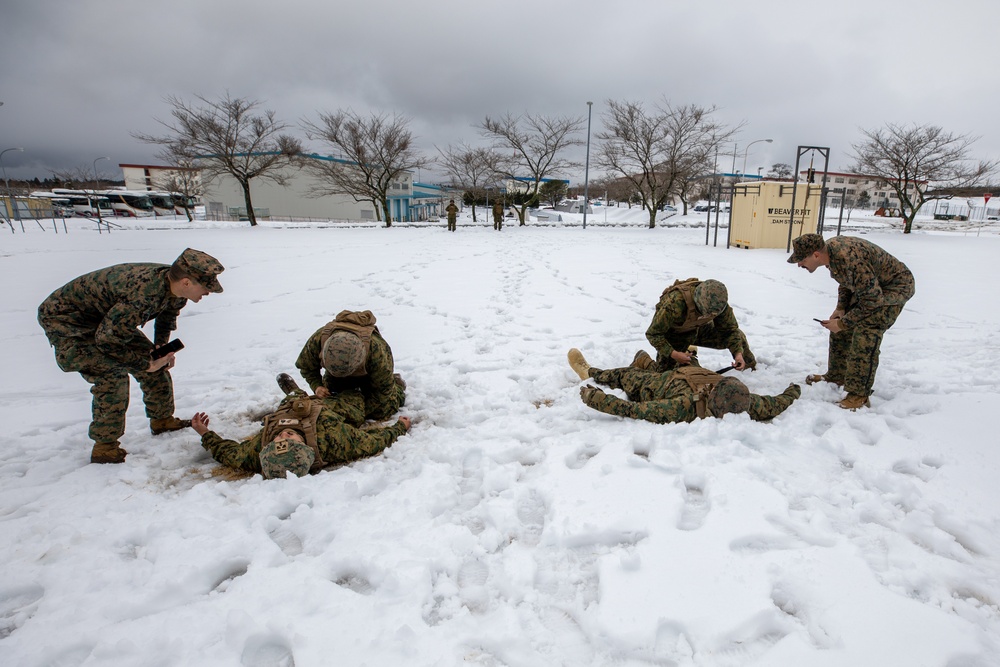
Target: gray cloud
{"x":80,"y":76}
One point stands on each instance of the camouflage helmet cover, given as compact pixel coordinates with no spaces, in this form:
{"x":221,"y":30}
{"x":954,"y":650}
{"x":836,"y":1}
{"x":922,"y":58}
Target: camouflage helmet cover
{"x":729,"y":395}
{"x":711,"y":297}
{"x":202,"y":267}
{"x":285,"y":455}
{"x":804,"y":246}
{"x":343,"y":354}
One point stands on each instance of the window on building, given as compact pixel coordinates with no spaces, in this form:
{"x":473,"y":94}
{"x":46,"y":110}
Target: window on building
{"x":852,"y":181}
{"x":839,"y":179}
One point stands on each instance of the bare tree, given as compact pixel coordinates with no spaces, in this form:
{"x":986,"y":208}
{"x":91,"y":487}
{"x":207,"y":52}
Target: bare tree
{"x":780,"y":170}
{"x":184,"y":177}
{"x":472,"y":169}
{"x":910,"y":159}
{"x":377,"y":150}
{"x":228,"y":137}
{"x":658,"y":151}
{"x":536,"y":144}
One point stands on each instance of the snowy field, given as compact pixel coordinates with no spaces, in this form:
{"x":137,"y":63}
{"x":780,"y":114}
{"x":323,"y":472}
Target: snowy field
{"x":513,"y":526}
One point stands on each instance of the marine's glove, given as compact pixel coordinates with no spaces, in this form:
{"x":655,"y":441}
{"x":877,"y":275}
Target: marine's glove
{"x":591,"y":395}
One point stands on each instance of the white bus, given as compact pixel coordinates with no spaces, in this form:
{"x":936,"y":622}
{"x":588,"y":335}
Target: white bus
{"x":129,"y":204}
{"x":85,"y":203}
{"x":163,"y":203}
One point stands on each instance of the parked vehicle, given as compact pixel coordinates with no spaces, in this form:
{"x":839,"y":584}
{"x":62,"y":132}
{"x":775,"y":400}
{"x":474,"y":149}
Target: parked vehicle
{"x":86,"y":203}
{"x":163,"y":203}
{"x":129,"y":204}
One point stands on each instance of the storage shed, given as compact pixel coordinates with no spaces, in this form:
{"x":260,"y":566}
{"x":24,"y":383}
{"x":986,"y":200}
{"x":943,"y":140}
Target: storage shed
{"x":761,"y":212}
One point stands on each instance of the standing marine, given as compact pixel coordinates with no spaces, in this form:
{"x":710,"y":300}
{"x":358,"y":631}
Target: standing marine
{"x":452,"y":212}
{"x":498,"y":215}
{"x":696,"y":312}
{"x":873,"y":288}
{"x":350,"y":353}
{"x":94,"y":321}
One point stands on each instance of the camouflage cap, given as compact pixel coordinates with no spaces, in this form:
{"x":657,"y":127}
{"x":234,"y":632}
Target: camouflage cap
{"x":711,"y":297}
{"x":343,"y":354}
{"x":202,"y":267}
{"x":804,"y":246}
{"x":285,"y":455}
{"x":729,"y":395}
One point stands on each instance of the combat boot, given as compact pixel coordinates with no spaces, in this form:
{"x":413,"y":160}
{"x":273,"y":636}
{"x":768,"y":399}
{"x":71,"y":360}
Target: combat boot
{"x":107,"y":452}
{"x":287,"y":384}
{"x":643,"y":361}
{"x":167,"y":424}
{"x":578,"y":363}
{"x":855,"y":401}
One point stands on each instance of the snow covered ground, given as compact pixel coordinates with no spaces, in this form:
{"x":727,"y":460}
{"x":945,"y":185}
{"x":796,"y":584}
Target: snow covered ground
{"x":513,"y":525}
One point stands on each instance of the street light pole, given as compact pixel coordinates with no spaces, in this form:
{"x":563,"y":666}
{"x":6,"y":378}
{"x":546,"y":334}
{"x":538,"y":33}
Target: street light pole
{"x":13,"y":206}
{"x":747,"y":151}
{"x":586,"y":170}
{"x":96,"y":201}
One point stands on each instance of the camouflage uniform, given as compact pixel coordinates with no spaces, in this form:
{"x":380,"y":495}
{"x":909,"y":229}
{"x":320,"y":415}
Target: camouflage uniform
{"x":382,"y":395}
{"x":452,"y":212}
{"x":874,"y":287}
{"x":498,"y":216}
{"x":93,"y":323}
{"x":666,"y":397}
{"x":723,"y":332}
{"x":337,"y":436}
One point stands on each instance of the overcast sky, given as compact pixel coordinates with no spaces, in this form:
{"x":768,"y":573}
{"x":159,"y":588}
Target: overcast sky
{"x":78,"y":77}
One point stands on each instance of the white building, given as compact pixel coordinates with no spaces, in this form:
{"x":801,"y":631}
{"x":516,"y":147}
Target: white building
{"x":224,"y":200}
{"x":879,"y":191}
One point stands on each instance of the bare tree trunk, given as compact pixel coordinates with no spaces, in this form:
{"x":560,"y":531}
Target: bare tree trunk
{"x":388,"y":214}
{"x":652,"y":217}
{"x":246,"y":200}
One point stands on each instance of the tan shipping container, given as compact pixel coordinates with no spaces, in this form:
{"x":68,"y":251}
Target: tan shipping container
{"x":761,"y":211}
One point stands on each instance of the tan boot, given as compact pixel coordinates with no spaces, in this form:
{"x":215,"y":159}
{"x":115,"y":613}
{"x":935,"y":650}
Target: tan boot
{"x":167,"y":424}
{"x":854,"y":401}
{"x":578,"y":363}
{"x":642,"y":361}
{"x":107,"y":452}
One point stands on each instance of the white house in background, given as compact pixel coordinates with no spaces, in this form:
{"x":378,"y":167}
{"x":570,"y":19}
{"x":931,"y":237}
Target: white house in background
{"x":151,"y":177}
{"x":223,"y":197}
{"x":408,"y":199}
{"x":879,"y":191}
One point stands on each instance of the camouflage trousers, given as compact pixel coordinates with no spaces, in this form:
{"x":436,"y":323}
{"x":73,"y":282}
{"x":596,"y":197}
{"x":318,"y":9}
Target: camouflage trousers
{"x":853,"y":355}
{"x":638,"y":384}
{"x":451,"y":225}
{"x":704,"y":336}
{"x":110,"y":388}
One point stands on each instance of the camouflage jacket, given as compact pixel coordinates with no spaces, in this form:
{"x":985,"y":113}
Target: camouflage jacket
{"x":109,"y":306}
{"x":668,"y":399}
{"x":339,"y":442}
{"x":671,"y":312}
{"x":869,"y":278}
{"x":452,"y":212}
{"x":382,"y":397}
